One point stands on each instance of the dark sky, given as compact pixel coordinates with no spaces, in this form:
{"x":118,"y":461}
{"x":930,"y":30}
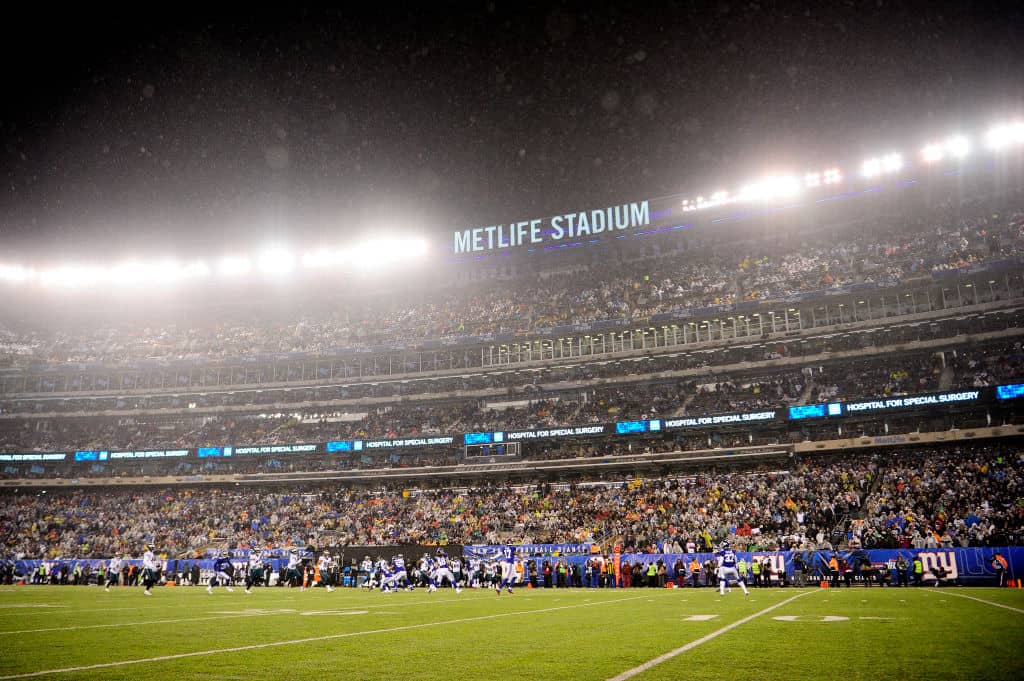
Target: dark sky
{"x":123,"y":132}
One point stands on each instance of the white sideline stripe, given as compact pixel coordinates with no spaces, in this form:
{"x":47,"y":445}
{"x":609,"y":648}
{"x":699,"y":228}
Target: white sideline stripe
{"x":299,"y":641}
{"x":946,"y":592}
{"x":629,"y":673}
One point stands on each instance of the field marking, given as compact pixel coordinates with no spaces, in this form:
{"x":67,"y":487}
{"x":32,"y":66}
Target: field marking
{"x":313,"y":639}
{"x":156,"y":605}
{"x":629,"y":673}
{"x":973,"y":598}
{"x":221,"y":615}
{"x":117,"y":625}
{"x":699,"y":618}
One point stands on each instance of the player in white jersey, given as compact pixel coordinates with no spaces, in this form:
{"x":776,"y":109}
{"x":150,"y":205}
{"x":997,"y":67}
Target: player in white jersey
{"x":474,"y":573}
{"x":727,"y":569}
{"x":254,"y":571}
{"x":365,"y":572}
{"x":113,"y":571}
{"x":442,"y":571}
{"x":324,"y":564}
{"x":292,"y":572}
{"x":508,"y":568}
{"x":150,"y":570}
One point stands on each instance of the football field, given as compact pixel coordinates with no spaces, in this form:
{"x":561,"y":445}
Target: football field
{"x":185,"y":633}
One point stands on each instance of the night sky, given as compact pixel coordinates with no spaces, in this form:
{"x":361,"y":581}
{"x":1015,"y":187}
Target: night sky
{"x":134,"y":133}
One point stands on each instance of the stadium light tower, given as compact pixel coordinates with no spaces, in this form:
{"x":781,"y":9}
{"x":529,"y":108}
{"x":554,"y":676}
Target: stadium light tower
{"x":1005,"y":136}
{"x":233,"y":266}
{"x":956,"y":147}
{"x":881,"y":165}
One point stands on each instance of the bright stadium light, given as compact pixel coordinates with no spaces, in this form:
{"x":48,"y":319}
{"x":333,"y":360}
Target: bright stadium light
{"x":275,"y":260}
{"x":833,"y":176}
{"x":322,"y":258}
{"x":234,"y":266}
{"x":873,"y":167}
{"x":892,"y":162}
{"x":812,"y":180}
{"x":376,"y":253}
{"x":1005,"y":136}
{"x":955,"y":147}
{"x":770,"y":188}
{"x":932,"y":153}
{"x":72,"y":276}
{"x":16,"y":274}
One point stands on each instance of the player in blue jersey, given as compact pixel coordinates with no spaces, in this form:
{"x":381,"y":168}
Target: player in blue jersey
{"x":401,"y":575}
{"x":443,"y":571}
{"x":727,"y":569}
{"x":508,"y":568}
{"x":223,"y":571}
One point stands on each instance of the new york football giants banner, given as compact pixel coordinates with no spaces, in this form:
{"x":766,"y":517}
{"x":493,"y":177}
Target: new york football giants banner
{"x":964,"y":566}
{"x":491,"y":551}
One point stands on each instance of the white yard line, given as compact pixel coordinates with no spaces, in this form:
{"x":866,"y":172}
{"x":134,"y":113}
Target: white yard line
{"x":313,"y":639}
{"x":947,"y":592}
{"x":225,"y":615}
{"x":629,"y":673}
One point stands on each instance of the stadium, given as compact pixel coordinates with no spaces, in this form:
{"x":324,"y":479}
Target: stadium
{"x":770,"y":426}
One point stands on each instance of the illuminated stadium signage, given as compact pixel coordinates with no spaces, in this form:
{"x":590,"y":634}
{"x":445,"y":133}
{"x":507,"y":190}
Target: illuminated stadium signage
{"x":205,"y":452}
{"x":553,"y":231}
{"x":557,"y":432}
{"x":633,"y":427}
{"x":277,"y":449}
{"x":151,"y":454}
{"x":91,"y":455}
{"x":720,"y":419}
{"x":1010,"y":392}
{"x":910,"y":401}
{"x":481,"y":438}
{"x":410,"y":442}
{"x":33,"y":457}
{"x":807,"y":411}
{"x":344,"y":446}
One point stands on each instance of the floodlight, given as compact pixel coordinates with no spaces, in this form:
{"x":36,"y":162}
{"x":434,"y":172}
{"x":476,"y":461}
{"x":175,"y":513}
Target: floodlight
{"x":871,"y":167}
{"x":833,"y":176}
{"x":233,"y":266}
{"x":1003,"y":136}
{"x":957,"y":146}
{"x":932,"y":153}
{"x":15,"y":273}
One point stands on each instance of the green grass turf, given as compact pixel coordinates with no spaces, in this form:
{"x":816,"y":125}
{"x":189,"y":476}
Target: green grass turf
{"x":535,"y":634}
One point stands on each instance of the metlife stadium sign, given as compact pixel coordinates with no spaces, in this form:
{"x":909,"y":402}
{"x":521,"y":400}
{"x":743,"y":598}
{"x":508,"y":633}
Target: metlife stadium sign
{"x":550,"y":232}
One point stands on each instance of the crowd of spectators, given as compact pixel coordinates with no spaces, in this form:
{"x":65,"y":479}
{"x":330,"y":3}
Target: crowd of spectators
{"x":955,"y":496}
{"x":778,"y":268}
{"x":966,"y":496}
{"x":638,"y":396}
